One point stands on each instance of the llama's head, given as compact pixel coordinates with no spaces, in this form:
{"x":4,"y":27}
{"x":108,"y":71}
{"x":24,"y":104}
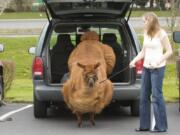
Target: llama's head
{"x":89,"y":73}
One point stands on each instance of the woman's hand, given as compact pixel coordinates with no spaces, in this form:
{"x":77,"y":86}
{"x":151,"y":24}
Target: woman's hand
{"x":154,"y":64}
{"x":132,"y":64}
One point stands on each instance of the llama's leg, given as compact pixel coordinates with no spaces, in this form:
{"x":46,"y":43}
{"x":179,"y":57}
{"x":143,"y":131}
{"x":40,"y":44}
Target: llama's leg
{"x":79,"y":118}
{"x":66,"y":92}
{"x":107,"y":96}
{"x":108,"y":93}
{"x":92,"y":119}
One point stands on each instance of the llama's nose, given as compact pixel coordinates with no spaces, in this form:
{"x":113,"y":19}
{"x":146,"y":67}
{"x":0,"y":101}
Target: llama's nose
{"x":91,"y":82}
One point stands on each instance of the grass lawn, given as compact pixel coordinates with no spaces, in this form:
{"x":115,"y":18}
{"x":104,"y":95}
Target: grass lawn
{"x":170,"y":86}
{"x":159,"y":13}
{"x":21,"y":91}
{"x":23,"y":15}
{"x":40,"y":15}
{"x":16,"y":49}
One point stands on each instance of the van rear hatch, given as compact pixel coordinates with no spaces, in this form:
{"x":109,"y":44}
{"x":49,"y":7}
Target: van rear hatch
{"x":69,"y":9}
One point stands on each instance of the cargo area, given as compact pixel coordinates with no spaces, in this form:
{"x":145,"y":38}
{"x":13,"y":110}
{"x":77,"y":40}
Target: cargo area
{"x":65,"y":38}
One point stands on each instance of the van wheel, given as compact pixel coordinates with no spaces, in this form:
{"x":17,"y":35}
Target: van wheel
{"x":40,"y":108}
{"x":135,"y":108}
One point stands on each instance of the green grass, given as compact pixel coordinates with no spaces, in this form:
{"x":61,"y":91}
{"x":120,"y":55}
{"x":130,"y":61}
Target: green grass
{"x":159,"y":13}
{"x":21,"y":91}
{"x":39,"y":15}
{"x":23,"y":15}
{"x":16,"y":49}
{"x":170,"y":86}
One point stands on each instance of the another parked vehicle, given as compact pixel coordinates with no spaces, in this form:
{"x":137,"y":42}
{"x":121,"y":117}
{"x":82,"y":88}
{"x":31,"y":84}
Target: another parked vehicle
{"x":1,"y":78}
{"x":176,"y":38}
{"x":69,"y":20}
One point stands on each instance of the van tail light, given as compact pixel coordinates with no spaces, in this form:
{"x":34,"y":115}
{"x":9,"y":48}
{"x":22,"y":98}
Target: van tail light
{"x":139,"y":67}
{"x":38,"y":67}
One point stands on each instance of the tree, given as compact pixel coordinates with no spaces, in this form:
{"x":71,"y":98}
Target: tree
{"x":173,"y":22}
{"x":21,"y":5}
{"x":3,"y":5}
{"x":141,"y":3}
{"x":151,"y":3}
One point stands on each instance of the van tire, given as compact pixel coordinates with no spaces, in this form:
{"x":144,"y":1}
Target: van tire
{"x":40,"y":108}
{"x":135,"y":108}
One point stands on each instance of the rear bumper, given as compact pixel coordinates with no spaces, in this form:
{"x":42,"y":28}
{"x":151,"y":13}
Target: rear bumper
{"x":45,"y":92}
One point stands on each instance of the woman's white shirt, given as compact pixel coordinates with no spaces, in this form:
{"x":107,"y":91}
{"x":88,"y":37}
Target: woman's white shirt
{"x":153,"y":50}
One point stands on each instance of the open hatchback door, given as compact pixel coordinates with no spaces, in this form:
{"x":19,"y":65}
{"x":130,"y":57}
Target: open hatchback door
{"x":82,"y":9}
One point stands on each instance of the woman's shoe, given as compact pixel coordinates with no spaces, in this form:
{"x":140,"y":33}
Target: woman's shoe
{"x":141,"y":130}
{"x":157,"y":131}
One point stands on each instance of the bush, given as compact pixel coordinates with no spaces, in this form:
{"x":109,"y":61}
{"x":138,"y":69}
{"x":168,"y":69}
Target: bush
{"x":21,"y":5}
{"x":141,"y":3}
{"x":8,"y":10}
{"x":8,"y":74}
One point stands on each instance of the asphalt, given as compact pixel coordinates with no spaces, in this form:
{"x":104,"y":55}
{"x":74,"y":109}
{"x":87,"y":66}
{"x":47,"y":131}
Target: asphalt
{"x":115,"y":121}
{"x":39,"y":23}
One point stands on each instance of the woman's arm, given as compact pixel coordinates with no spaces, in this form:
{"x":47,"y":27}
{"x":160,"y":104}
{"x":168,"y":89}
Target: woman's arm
{"x":166,"y":44}
{"x":138,"y":57}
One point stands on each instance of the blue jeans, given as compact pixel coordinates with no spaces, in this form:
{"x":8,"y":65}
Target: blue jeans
{"x":152,"y":80}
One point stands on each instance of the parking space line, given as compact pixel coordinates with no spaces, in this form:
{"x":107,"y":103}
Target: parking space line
{"x":5,"y":116}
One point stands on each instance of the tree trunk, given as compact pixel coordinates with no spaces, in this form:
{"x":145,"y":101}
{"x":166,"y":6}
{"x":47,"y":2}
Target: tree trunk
{"x":3,"y":5}
{"x":151,"y":3}
{"x":19,"y":5}
{"x":172,"y":26}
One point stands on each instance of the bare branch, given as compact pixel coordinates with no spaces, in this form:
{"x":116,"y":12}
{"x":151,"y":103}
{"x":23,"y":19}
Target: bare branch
{"x":3,"y":5}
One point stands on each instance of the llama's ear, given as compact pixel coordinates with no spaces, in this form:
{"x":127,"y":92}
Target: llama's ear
{"x":97,"y":65}
{"x":80,"y":65}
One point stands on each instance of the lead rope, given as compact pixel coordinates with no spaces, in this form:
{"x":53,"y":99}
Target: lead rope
{"x":115,"y":74}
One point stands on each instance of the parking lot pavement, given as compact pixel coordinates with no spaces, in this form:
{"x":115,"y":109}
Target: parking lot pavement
{"x":9,"y":107}
{"x":62,"y":122}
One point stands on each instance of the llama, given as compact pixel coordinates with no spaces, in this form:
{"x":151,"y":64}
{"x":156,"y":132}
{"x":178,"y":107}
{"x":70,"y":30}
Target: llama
{"x":88,"y":66}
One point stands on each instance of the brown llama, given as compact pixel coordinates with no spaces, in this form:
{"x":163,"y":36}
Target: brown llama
{"x":88,"y":66}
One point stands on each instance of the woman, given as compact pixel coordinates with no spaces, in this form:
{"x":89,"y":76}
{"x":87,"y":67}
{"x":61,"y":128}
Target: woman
{"x":155,"y":41}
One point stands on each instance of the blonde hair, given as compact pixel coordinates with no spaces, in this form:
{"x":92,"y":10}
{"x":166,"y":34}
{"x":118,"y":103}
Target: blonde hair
{"x":153,"y":24}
